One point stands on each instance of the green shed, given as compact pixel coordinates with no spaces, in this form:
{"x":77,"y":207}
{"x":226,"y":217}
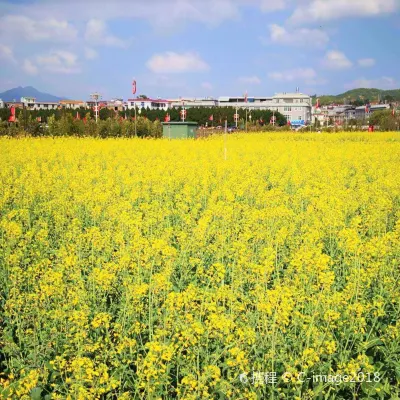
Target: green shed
{"x":179,"y":130}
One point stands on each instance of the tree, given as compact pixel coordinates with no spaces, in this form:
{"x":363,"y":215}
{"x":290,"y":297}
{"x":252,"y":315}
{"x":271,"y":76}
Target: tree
{"x":389,"y":98}
{"x":142,"y":96}
{"x":384,"y":119}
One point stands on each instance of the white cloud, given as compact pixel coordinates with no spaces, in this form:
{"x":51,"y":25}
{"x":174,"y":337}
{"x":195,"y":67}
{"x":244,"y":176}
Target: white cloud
{"x":171,"y":62}
{"x":47,"y":29}
{"x":366,"y":62}
{"x":384,"y":82}
{"x":6,"y":53}
{"x":325,"y":10}
{"x":207,"y":85}
{"x":251,"y":80}
{"x":306,"y":75}
{"x":161,"y":14}
{"x":59,"y":61}
{"x":298,"y":37}
{"x":90,"y":54}
{"x":336,"y":60}
{"x":97,"y":34}
{"x":29,"y":67}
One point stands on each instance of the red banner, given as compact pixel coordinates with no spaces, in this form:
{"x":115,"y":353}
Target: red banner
{"x":11,"y":118}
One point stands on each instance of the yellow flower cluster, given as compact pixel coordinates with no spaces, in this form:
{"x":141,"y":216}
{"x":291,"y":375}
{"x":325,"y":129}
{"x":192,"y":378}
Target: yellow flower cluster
{"x":157,"y":269}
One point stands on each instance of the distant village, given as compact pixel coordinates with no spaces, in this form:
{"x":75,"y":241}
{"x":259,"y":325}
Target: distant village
{"x":296,"y":107}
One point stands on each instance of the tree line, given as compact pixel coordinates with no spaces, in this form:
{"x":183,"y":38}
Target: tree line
{"x":81,"y":122}
{"x":201,"y":115}
{"x":67,"y":125}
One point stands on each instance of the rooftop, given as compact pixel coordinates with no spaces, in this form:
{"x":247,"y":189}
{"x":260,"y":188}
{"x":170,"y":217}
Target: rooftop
{"x":149,"y":100}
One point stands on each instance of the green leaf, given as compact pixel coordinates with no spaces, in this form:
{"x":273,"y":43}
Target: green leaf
{"x":36,"y":393}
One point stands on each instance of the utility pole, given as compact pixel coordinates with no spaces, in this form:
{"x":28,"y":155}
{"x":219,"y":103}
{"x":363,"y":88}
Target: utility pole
{"x":135,"y":121}
{"x":96,"y":96}
{"x":183,"y":111}
{"x":236,"y":119}
{"x":226,"y":129}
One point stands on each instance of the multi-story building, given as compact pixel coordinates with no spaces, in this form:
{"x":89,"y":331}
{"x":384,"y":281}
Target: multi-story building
{"x":45,"y":105}
{"x":191,"y":102}
{"x":72,"y":104}
{"x":295,"y":107}
{"x":151,"y":104}
{"x":30,"y":103}
{"x":363,"y":112}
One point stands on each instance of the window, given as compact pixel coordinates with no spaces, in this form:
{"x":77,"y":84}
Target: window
{"x":300,"y":118}
{"x":301,"y":100}
{"x":287,"y":109}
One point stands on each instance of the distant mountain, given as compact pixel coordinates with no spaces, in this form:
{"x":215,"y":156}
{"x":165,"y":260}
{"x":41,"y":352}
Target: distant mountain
{"x":361,"y":95}
{"x":28,"y":91}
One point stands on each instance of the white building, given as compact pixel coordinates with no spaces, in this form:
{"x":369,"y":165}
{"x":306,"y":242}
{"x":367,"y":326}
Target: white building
{"x":151,"y":104}
{"x":72,"y":104}
{"x":295,"y":107}
{"x":44,"y":105}
{"x":1,"y":103}
{"x":191,"y":102}
{"x":30,"y":103}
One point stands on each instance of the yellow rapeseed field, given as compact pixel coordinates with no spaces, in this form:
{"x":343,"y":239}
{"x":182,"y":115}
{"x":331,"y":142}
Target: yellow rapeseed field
{"x":156,"y":269}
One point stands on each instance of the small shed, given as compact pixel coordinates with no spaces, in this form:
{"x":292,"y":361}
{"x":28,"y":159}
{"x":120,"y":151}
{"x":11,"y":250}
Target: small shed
{"x":179,"y":130}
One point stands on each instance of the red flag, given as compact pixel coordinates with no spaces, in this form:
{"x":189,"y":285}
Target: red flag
{"x":317,"y":105}
{"x":134,"y":87}
{"x":167,"y":118}
{"x":12,"y":116}
{"x":211,"y":118}
{"x":289,"y":123}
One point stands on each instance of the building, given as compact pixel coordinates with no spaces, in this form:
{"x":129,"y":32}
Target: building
{"x":363,"y":112}
{"x":2,"y":105}
{"x":191,"y":102}
{"x":72,"y":104}
{"x":28,"y":102}
{"x":16,"y":104}
{"x":350,"y":113}
{"x":45,"y":105}
{"x":116,"y":105}
{"x":294,"y":106}
{"x":151,"y":104}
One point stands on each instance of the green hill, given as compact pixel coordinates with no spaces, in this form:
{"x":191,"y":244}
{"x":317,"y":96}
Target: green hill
{"x":360,"y":96}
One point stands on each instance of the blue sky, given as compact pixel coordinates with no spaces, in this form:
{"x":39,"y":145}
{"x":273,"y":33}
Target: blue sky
{"x":199,"y":47}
